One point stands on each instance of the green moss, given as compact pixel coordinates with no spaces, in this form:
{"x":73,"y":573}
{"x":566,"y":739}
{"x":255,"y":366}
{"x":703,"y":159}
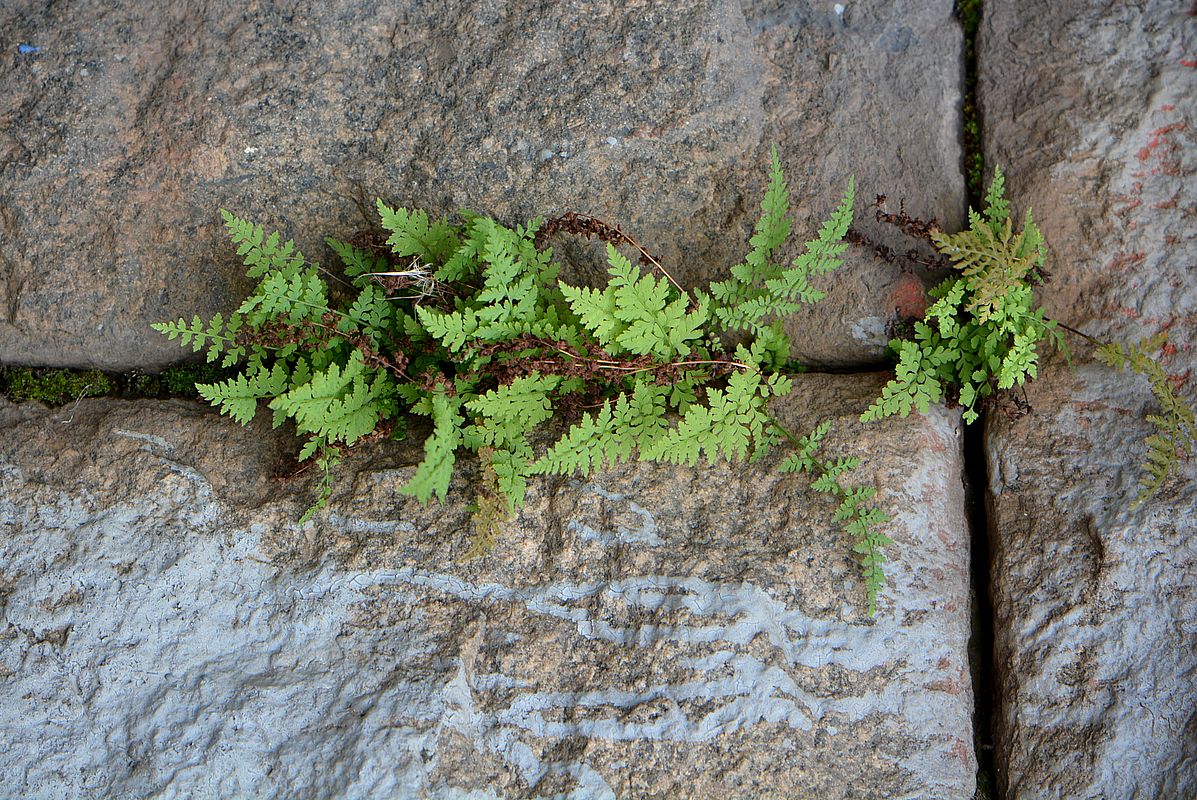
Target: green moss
{"x":176,"y":381}
{"x":57,"y":387}
{"x":54,"y":387}
{"x":969,"y":13}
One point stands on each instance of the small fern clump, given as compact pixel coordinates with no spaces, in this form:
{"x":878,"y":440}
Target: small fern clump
{"x":983,"y":329}
{"x":468,"y":325}
{"x":982,"y":333}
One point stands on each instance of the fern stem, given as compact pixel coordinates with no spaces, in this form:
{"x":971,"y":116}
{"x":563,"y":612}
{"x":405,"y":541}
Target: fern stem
{"x":320,"y":308}
{"x":1082,"y":334}
{"x":608,"y":228}
{"x":617,"y":366}
{"x":696,"y":363}
{"x":794,"y":440}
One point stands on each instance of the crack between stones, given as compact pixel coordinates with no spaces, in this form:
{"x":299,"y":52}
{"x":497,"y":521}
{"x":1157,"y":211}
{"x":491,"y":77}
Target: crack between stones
{"x":980,"y":647}
{"x":976,"y":464}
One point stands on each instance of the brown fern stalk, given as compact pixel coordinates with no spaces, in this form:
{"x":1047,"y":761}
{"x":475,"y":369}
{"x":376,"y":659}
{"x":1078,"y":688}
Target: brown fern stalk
{"x":589,"y":227}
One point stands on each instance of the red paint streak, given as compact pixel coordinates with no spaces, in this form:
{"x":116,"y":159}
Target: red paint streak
{"x":1129,"y":207}
{"x":1121,"y":261}
{"x":1159,"y":137}
{"x":1171,"y":126}
{"x":1167,"y":107}
{"x":1191,"y":63}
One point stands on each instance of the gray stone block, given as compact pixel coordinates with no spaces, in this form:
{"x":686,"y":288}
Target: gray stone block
{"x":135,"y":122}
{"x":1089,"y":109}
{"x":170,"y":631}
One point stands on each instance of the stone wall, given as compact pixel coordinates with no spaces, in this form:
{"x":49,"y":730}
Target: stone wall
{"x":169,"y":629}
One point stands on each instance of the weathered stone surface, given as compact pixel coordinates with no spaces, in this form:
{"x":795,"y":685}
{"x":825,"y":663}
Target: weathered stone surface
{"x":1089,"y":108}
{"x":170,"y":631}
{"x":135,"y":122}
{"x":1090,"y":112}
{"x":1095,"y":603}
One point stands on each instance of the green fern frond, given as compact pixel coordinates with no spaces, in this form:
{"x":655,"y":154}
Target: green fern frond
{"x":773,"y":227}
{"x":262,"y":253}
{"x":734,"y":423}
{"x":916,"y":384}
{"x":358,"y":262}
{"x":508,"y":413}
{"x":997,"y":208}
{"x":621,"y":428}
{"x":371,"y":313}
{"x":772,"y":230}
{"x":641,"y":315}
{"x":436,"y":470}
{"x":413,"y":235}
{"x":804,"y":460}
{"x":217,"y":336}
{"x":760,"y":290}
{"x":512,"y":468}
{"x":1176,"y":427}
{"x":327,"y":462}
{"x":293,"y":298}
{"x":238,"y":397}
{"x":453,"y":329}
{"x":596,"y":310}
{"x":337,"y":404}
{"x":863,"y":520}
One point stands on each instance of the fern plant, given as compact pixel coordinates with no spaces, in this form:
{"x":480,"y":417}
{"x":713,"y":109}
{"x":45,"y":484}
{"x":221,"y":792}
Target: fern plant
{"x":981,"y":335}
{"x":982,"y":332}
{"x":468,"y":325}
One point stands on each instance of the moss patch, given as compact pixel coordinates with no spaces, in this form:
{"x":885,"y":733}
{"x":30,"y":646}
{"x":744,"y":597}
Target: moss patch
{"x":53,"y":387}
{"x":969,"y":14}
{"x":58,"y":387}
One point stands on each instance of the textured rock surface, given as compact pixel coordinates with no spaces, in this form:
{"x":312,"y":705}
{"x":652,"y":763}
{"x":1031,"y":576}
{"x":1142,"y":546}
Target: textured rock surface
{"x":124,"y":134}
{"x":169,"y":631}
{"x":1089,"y":108}
{"x":1091,"y":111}
{"x":1095,"y":604}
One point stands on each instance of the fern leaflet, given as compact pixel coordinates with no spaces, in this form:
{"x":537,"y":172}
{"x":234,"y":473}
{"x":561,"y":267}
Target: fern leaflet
{"x":1176,"y":428}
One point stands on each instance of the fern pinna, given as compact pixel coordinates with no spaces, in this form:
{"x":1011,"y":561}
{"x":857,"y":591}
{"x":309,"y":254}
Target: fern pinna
{"x":468,"y":325}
